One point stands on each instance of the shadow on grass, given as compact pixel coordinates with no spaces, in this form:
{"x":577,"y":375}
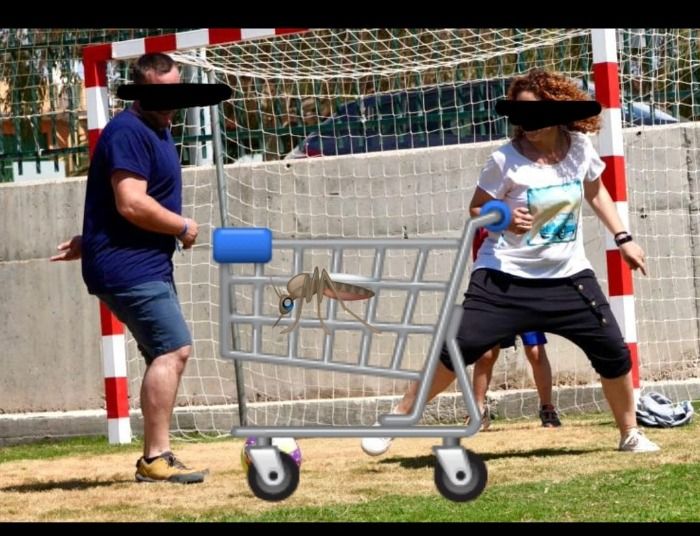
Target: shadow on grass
{"x":577,"y":421}
{"x":65,"y":485}
{"x":421,"y":462}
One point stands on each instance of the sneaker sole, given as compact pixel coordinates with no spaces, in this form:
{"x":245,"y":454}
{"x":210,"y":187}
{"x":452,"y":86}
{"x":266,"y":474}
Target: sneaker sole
{"x":193,"y":478}
{"x":639,"y":451}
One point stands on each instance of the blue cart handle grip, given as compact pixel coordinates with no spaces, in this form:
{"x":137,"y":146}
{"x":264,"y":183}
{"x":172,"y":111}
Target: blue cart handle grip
{"x":496,"y":205}
{"x":242,"y":244}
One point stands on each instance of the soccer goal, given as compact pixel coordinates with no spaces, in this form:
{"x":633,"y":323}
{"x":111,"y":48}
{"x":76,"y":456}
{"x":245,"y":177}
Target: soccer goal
{"x":381,"y":133}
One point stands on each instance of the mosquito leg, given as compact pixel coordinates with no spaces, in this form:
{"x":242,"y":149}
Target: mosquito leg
{"x":300,"y":304}
{"x":319,"y":299}
{"x":316,"y":287}
{"x":328,"y":281}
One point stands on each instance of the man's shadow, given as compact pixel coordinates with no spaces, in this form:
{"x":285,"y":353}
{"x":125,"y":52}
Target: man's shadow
{"x":65,"y":485}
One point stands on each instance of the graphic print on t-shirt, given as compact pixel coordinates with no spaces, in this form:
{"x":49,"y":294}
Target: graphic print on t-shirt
{"x":556,"y":213}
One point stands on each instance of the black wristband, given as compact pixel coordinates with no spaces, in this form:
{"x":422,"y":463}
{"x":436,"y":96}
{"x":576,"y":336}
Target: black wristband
{"x":622,"y":238}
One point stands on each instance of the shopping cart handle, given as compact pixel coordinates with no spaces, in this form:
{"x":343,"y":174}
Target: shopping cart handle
{"x":242,"y":244}
{"x":500,"y":207}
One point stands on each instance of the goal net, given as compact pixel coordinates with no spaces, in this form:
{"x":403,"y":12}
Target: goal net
{"x":382,"y":133}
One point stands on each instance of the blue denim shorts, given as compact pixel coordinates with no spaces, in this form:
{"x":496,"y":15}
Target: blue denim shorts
{"x":153,"y":315}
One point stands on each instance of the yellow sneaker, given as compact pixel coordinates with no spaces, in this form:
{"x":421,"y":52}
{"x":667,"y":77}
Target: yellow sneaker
{"x":167,"y":468}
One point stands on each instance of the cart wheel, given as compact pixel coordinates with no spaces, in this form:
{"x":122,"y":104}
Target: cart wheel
{"x":284,"y":488}
{"x":467,"y":490}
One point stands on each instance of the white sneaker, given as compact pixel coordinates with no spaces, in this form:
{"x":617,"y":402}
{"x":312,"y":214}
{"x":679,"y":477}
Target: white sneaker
{"x":636,"y":441}
{"x":374,"y":446}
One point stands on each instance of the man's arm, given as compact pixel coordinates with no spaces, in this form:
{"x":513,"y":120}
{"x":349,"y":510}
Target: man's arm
{"x":136,"y":206}
{"x":70,"y":249}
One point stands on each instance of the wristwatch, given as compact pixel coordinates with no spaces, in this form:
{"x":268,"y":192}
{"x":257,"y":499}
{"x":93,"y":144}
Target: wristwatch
{"x":622,"y":238}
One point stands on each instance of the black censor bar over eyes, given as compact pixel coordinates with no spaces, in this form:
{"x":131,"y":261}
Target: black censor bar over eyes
{"x":174,"y":96}
{"x":533,"y":115}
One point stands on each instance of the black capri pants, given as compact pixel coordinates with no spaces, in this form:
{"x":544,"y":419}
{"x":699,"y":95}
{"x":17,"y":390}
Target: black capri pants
{"x":498,"y":306}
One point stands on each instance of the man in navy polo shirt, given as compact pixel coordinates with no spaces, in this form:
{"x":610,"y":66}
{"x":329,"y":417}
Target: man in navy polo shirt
{"x":131,"y":224}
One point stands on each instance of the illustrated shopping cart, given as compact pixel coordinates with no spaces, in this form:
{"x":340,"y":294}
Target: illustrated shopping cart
{"x":460,"y":474}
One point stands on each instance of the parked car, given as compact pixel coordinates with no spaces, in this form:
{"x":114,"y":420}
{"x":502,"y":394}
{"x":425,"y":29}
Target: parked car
{"x":635,"y":113}
{"x":431,"y":116}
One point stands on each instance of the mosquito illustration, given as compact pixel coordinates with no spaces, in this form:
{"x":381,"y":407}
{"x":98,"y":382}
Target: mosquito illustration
{"x":304,"y":286}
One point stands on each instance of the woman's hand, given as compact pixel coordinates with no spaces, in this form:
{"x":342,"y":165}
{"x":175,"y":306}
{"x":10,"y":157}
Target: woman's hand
{"x":521,"y":221}
{"x":633,"y":255}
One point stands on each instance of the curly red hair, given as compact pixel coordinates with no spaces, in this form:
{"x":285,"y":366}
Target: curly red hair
{"x":548,"y":85}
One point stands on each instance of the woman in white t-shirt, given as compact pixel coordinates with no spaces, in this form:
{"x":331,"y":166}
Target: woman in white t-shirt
{"x":535,"y":276}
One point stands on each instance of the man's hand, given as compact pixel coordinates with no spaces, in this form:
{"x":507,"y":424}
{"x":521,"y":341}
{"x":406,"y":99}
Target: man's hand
{"x":189,"y":238}
{"x":70,"y":250}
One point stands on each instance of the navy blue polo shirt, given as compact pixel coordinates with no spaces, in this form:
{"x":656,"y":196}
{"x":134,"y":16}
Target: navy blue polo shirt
{"x":117,"y":254}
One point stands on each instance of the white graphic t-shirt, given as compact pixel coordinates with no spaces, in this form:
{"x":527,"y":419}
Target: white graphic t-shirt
{"x":553,"y":194}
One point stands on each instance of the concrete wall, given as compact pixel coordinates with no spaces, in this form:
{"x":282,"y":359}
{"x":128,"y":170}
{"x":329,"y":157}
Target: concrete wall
{"x":50,"y":329}
{"x":49,"y":324}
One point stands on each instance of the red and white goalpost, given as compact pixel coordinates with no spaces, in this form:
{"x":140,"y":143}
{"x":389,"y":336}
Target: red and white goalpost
{"x":286,"y":82}
{"x":95,"y":60}
{"x":620,"y":286}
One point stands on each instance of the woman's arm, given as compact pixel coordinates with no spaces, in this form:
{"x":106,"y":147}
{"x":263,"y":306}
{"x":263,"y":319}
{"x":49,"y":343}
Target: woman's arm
{"x":602,"y":204}
{"x":521,"y":219}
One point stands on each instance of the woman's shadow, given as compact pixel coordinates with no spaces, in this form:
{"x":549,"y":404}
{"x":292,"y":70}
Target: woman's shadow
{"x":420,"y":462}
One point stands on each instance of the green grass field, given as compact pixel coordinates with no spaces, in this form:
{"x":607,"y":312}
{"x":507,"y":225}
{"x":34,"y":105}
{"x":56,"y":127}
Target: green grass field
{"x":570,"y":474}
{"x":666,"y":493}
